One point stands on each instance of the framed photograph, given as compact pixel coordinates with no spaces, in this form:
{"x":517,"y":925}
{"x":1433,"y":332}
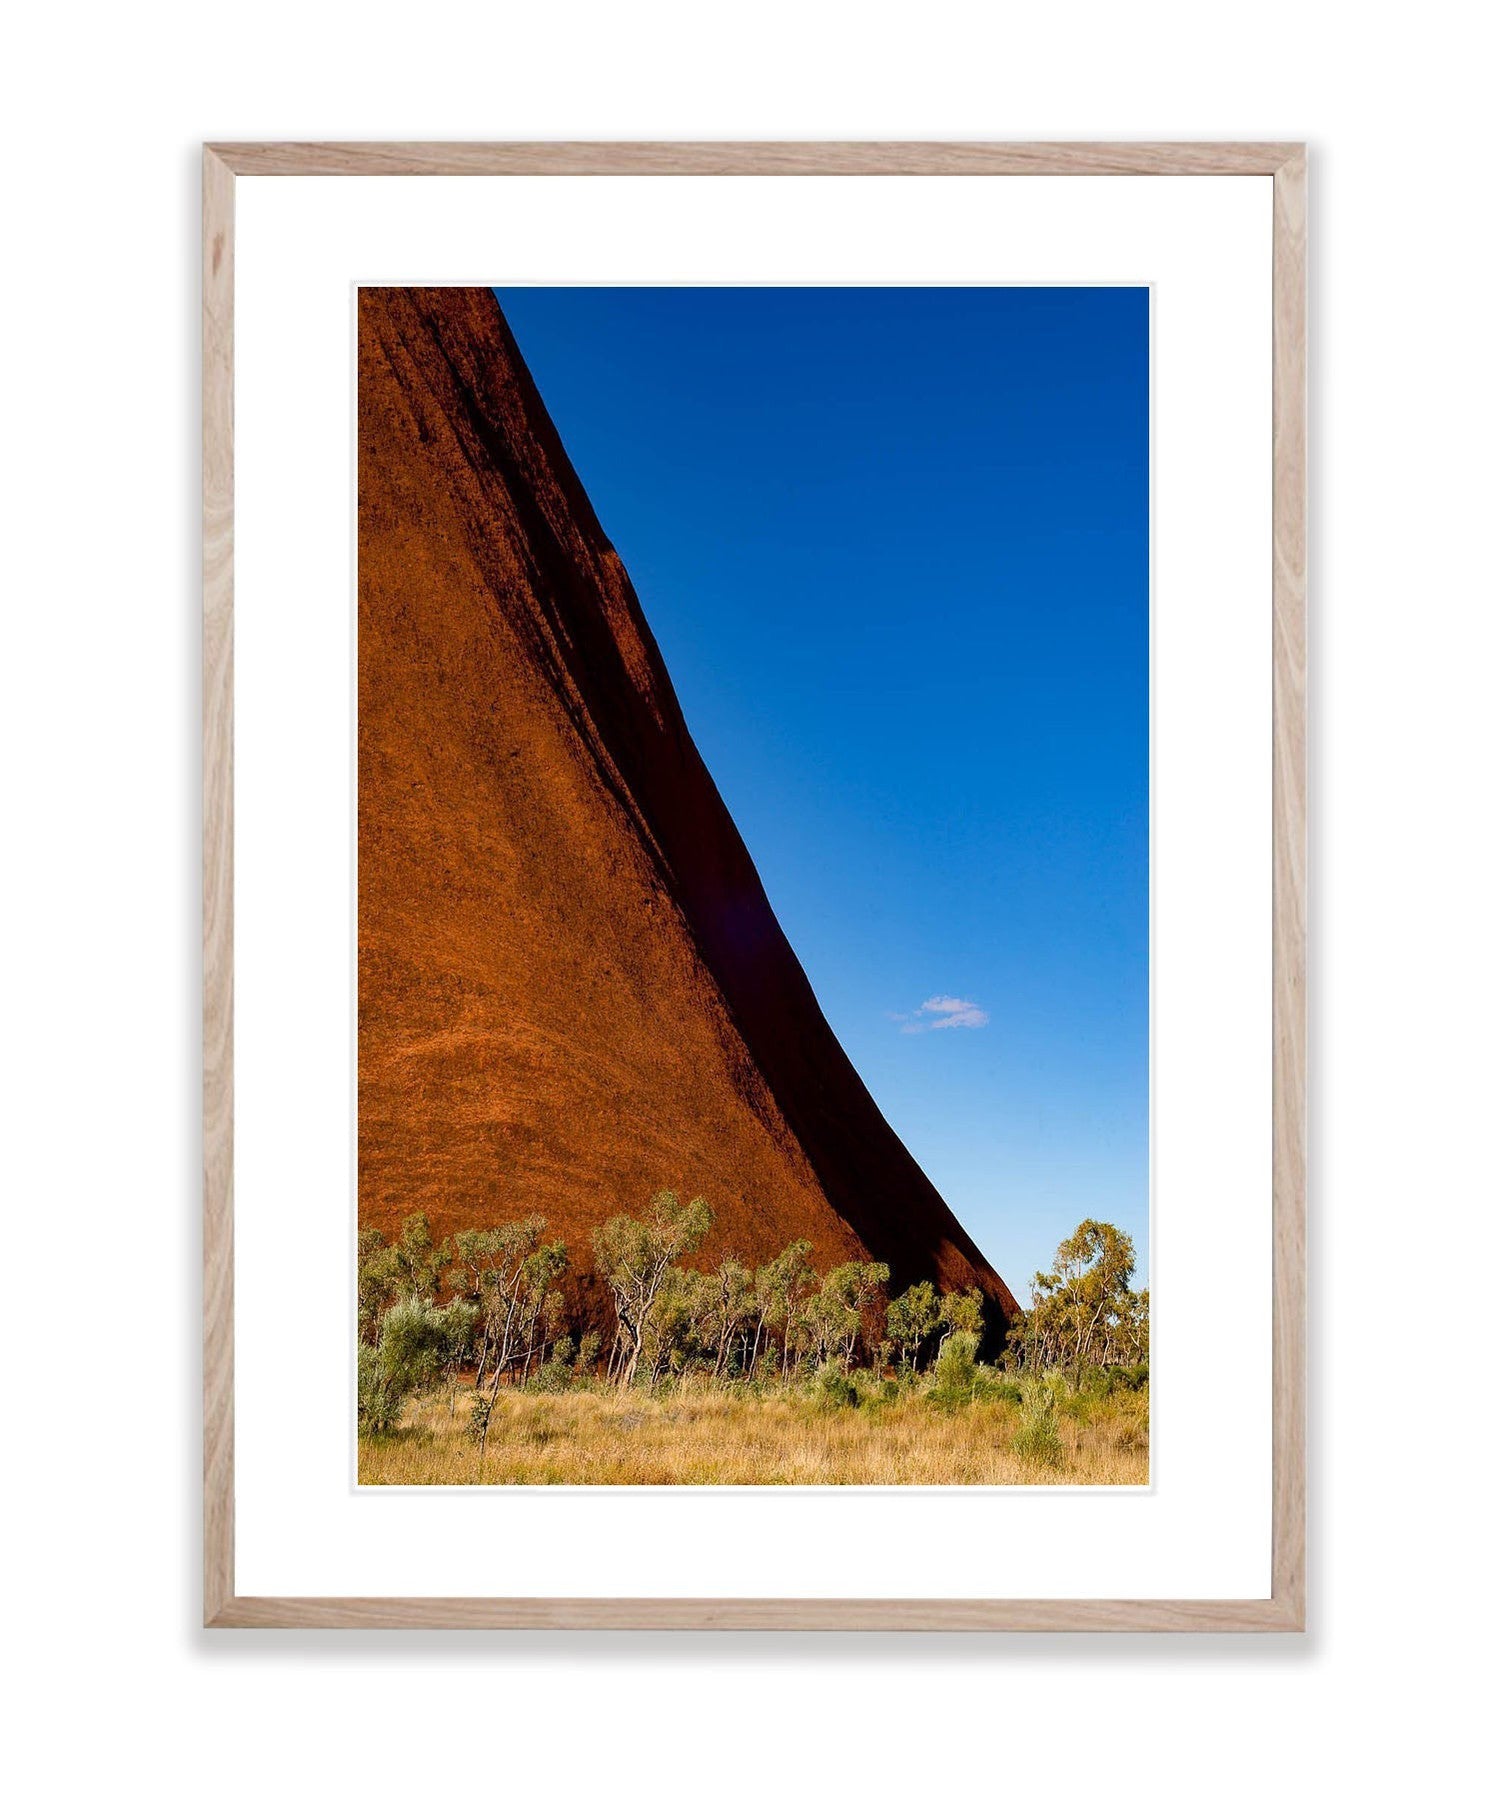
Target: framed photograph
{"x":754,"y":886}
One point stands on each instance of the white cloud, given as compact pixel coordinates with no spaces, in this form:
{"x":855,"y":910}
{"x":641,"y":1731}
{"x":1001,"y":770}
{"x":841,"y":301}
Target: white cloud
{"x":942,"y":1013}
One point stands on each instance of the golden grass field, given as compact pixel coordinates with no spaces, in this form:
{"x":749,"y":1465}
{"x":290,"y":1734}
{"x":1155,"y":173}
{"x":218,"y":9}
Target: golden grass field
{"x":706,"y":1436}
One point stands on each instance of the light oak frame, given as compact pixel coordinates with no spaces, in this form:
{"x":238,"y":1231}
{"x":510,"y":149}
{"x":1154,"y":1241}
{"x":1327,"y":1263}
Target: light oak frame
{"x":1285,"y":1609}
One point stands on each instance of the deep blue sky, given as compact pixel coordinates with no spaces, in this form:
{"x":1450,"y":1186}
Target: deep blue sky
{"x":893,"y":543}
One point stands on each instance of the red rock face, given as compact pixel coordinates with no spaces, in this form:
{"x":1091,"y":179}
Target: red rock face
{"x":572,"y":989}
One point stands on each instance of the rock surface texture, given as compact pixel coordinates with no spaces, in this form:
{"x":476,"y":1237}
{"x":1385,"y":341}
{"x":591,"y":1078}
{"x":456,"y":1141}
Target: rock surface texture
{"x":572,"y":988}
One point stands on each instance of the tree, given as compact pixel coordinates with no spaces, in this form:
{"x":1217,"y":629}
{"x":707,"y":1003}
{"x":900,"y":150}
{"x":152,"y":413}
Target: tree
{"x":843,"y":1307}
{"x":634,"y":1257}
{"x":1134,"y":1327}
{"x":781,"y":1288}
{"x":962,"y":1312}
{"x":377,"y":1283}
{"x":680,"y":1327}
{"x":542,"y":1307}
{"x":414,"y":1340}
{"x":1098,"y":1261}
{"x":1084,"y":1311}
{"x":509,"y":1273}
{"x":419,"y":1262}
{"x":587,"y":1357}
{"x":410,"y":1267}
{"x":956,"y":1368}
{"x":910,"y":1319}
{"x":823,"y":1317}
{"x":458,"y":1321}
{"x":525,"y":1313}
{"x":733,"y":1305}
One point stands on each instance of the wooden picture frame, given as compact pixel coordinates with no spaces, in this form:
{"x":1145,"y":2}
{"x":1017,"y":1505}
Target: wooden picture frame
{"x":1284,"y":1609}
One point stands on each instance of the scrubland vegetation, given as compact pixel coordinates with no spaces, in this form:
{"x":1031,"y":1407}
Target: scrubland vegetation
{"x":470,"y":1370}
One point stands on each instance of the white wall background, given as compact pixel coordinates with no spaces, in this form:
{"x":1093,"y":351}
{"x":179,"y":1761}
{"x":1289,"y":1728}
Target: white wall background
{"x":98,"y":711}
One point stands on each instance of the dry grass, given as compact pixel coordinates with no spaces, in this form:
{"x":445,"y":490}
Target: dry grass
{"x":702,"y":1437}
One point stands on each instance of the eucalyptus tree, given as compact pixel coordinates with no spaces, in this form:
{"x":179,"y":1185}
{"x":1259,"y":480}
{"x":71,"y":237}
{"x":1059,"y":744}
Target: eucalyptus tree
{"x":678,"y":1326}
{"x":733,"y":1306}
{"x":1084,"y":1310}
{"x":411,"y":1266}
{"x":1134,"y":1327}
{"x":509,"y":1273}
{"x":1094,"y":1267}
{"x":961,"y":1312}
{"x":458,"y":1321}
{"x":843,"y":1309}
{"x":634,"y":1257}
{"x":523,"y":1311}
{"x":586,"y":1360}
{"x":419,"y":1262}
{"x":783,"y":1286}
{"x":910,"y":1319}
{"x":377,"y":1283}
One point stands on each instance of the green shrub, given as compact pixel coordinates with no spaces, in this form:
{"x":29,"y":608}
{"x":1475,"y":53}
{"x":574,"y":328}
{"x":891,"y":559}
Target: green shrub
{"x":1037,"y":1439}
{"x":956,"y":1369}
{"x":557,"y":1373}
{"x":832,"y":1389}
{"x":379,"y":1406}
{"x":478,"y":1419}
{"x":994,"y":1387}
{"x":414,"y":1343}
{"x":874,"y":1389}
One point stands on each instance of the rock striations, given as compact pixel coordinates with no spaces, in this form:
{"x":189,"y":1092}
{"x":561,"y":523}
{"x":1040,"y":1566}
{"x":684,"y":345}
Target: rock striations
{"x":572,"y":989}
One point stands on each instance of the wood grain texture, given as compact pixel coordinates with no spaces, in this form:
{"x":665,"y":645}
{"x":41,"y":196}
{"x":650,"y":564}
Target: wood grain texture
{"x":218,"y":885}
{"x":1113,"y":1615}
{"x":1286,"y":1608}
{"x":749,"y":158}
{"x":1288,"y":926}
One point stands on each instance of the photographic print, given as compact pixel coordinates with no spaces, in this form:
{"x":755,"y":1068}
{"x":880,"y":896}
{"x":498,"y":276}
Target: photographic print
{"x":753,"y":886}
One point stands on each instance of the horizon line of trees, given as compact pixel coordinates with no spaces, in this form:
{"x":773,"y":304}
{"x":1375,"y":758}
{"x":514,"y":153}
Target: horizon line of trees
{"x":492,"y":1300}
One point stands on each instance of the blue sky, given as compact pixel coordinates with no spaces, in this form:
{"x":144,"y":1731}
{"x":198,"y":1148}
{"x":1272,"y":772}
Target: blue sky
{"x":893,"y":543}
